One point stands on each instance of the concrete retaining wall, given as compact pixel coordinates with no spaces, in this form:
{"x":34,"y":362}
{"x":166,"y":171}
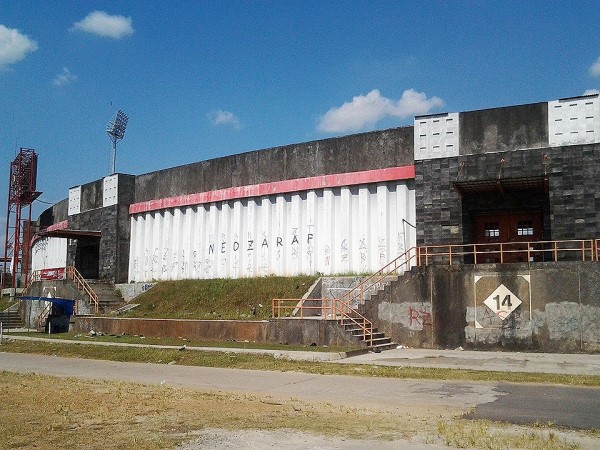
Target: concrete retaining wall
{"x":283,"y":331}
{"x":552,"y":307}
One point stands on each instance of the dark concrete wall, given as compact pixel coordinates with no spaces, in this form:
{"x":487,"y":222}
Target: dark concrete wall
{"x":92,"y":195}
{"x":309,"y":332}
{"x":283,"y":331}
{"x":437,"y":306}
{"x":221,"y":330}
{"x":572,"y":205}
{"x":502,"y":129}
{"x":55,"y":214}
{"x":366,"y":151}
{"x":126,"y":196}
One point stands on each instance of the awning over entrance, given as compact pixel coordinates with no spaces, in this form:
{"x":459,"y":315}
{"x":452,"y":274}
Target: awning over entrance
{"x":502,"y":185}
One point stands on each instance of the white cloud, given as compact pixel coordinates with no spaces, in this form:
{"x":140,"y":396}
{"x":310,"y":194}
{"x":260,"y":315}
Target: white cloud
{"x":102,"y":24}
{"x":366,"y":110}
{"x":65,"y":78}
{"x":224,"y":118}
{"x":591,"y":92}
{"x":595,"y":69}
{"x":14,"y":46}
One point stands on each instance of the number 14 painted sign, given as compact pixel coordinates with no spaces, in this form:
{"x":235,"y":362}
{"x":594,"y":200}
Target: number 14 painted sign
{"x":502,"y":301}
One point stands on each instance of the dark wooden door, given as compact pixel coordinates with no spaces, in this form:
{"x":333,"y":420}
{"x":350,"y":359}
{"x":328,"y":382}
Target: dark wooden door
{"x":511,"y":228}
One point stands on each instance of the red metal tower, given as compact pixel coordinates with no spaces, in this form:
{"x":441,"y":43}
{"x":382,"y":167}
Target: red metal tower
{"x":21,"y":194}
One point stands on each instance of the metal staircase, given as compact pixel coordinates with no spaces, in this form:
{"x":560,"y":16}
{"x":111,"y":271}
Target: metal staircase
{"x":349,"y":309}
{"x":373,"y":339}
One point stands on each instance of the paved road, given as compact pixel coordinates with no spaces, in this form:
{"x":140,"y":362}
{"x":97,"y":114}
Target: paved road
{"x":563,"y":406}
{"x":558,"y":363}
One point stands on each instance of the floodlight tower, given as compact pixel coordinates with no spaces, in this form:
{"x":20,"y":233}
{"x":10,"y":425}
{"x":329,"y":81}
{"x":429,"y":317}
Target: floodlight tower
{"x":21,"y":194}
{"x":116,"y":131}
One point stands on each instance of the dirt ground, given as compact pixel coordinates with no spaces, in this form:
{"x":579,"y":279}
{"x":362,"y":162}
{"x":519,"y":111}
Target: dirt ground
{"x":294,"y":440}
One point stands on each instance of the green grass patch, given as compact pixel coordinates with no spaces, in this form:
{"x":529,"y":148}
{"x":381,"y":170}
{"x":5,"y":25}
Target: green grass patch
{"x":244,"y":298}
{"x":128,"y":339}
{"x":259,"y":362}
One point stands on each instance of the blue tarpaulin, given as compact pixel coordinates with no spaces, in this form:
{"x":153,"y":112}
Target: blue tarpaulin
{"x":66,"y":304}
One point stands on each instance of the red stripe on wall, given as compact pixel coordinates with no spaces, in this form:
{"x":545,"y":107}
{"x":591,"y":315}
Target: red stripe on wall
{"x":277,"y":187}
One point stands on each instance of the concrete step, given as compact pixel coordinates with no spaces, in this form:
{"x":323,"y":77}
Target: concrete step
{"x":109,"y":298}
{"x":11,"y":319}
{"x":382,"y":347}
{"x":376,"y":340}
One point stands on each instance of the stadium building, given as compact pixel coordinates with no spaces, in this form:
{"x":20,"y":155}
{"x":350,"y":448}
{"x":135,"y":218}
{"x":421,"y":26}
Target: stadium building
{"x":501,"y":192}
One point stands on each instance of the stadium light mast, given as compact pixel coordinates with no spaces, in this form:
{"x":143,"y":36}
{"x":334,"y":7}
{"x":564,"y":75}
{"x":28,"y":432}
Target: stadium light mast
{"x":116,"y":131}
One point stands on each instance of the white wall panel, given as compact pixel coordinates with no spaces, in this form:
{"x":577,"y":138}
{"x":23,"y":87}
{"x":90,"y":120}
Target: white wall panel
{"x":331,"y":231}
{"x":363,"y":233}
{"x":436,"y":136}
{"x":574,"y":121}
{"x":74,"y":200}
{"x":110,"y":190}
{"x":49,"y":253}
{"x":308,"y":256}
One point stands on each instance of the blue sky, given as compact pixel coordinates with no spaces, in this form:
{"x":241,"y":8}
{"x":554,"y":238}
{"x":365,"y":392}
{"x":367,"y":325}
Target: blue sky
{"x":203,"y":79}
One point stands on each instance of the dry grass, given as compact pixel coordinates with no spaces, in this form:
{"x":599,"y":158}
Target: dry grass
{"x":484,"y":434}
{"x":218,"y":298}
{"x":46,"y":413}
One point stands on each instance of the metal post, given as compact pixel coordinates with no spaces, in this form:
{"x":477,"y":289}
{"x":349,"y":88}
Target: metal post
{"x":114,"y":155}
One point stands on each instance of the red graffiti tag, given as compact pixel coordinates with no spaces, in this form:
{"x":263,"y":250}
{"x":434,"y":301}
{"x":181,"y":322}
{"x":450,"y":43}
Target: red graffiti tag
{"x":419,"y":317}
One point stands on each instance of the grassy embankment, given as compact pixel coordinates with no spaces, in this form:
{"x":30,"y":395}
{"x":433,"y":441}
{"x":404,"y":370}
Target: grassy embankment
{"x":244,"y":298}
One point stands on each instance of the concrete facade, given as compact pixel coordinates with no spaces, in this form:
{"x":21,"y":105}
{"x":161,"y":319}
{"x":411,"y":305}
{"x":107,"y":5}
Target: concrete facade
{"x":555,"y":307}
{"x":365,"y":151}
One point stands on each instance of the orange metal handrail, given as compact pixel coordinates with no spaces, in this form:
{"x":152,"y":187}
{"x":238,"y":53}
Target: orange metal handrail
{"x":82,"y":285}
{"x":553,"y":250}
{"x":401,"y":262}
{"x":330,"y":309}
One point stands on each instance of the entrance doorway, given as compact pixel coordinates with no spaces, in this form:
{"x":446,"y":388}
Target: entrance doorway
{"x":508,"y":228}
{"x":87,"y":257}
